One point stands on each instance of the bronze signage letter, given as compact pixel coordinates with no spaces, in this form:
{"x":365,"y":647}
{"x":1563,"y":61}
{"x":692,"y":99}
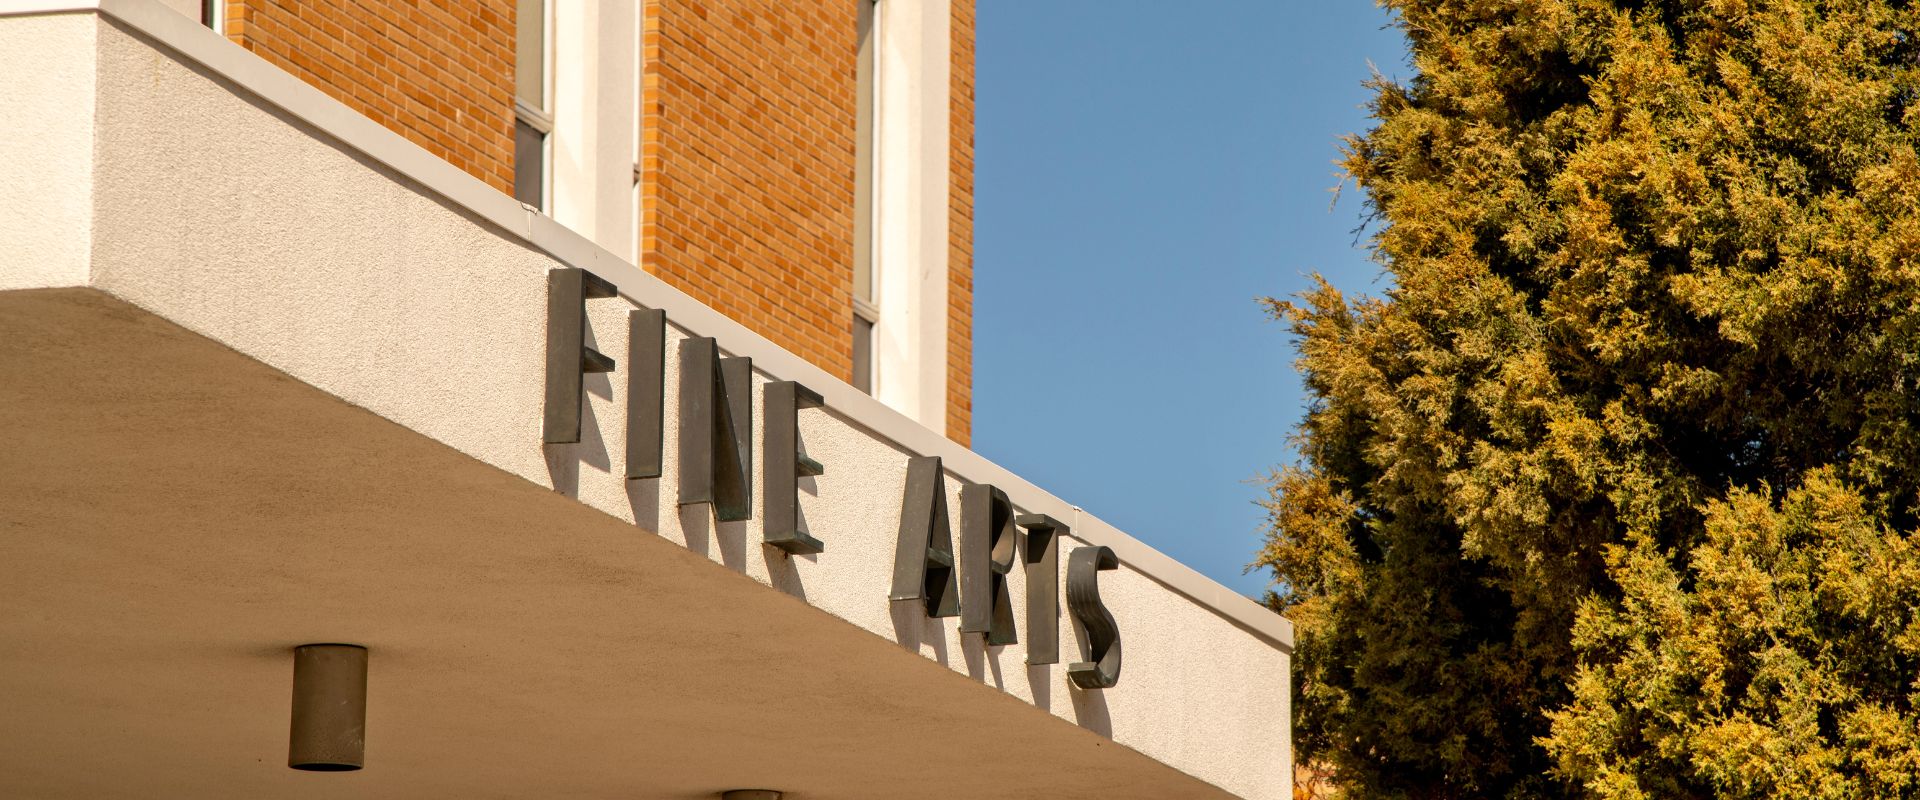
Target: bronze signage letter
{"x":1041,"y":555}
{"x":986,"y":557}
{"x":1099,"y":667}
{"x":784,"y":465}
{"x":716,"y":429}
{"x":568,"y":356}
{"x":923,"y":559}
{"x":646,"y":391}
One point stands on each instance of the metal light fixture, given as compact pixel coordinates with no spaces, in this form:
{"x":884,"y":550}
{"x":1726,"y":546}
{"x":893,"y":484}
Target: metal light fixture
{"x":329,"y":708}
{"x":750,"y":794}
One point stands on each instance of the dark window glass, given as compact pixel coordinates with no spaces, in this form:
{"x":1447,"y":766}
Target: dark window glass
{"x":863,"y":161}
{"x":529,"y":164}
{"x":862,"y":355}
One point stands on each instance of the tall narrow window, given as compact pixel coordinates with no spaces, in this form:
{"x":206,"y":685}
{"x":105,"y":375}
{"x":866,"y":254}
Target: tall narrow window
{"x":532,"y":117}
{"x":866,"y":313}
{"x":213,"y":14}
{"x":639,"y":127}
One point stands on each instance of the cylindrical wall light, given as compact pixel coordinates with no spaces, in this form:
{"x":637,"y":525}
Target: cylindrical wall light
{"x":329,"y":708}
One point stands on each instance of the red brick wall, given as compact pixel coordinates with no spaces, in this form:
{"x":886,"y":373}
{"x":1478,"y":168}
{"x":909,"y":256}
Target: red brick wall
{"x":747,"y":157}
{"x":748,"y":111}
{"x":439,"y":73}
{"x":748,"y":145}
{"x":960,"y":252}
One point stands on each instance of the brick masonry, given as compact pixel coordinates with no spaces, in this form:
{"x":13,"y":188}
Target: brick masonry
{"x":747,"y":141}
{"x":748,"y":111}
{"x":960,"y":256}
{"x":439,"y":73}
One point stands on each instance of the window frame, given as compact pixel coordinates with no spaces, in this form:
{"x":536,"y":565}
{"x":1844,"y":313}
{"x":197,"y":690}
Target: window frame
{"x":864,"y":329}
{"x":536,"y":117}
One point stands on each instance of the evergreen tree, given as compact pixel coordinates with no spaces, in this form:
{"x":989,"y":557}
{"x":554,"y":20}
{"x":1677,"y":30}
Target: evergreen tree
{"x":1612,"y":493}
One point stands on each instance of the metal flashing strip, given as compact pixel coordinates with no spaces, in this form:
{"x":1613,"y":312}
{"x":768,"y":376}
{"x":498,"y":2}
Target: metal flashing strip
{"x":351,"y":130}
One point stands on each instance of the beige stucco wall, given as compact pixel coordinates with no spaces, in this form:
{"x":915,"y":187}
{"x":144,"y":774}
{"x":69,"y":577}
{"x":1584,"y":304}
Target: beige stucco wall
{"x":241,"y":220}
{"x":46,"y":153}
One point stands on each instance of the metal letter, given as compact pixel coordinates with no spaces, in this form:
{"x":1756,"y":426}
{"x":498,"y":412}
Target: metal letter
{"x":986,"y":556}
{"x":784,"y":464}
{"x":1099,"y":667}
{"x":1042,"y":556}
{"x":646,"y":390}
{"x":716,"y":430}
{"x":923,"y":559}
{"x":568,"y":356}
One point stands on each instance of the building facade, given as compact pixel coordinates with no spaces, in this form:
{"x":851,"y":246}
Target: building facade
{"x":804,"y":167}
{"x":332,"y":468}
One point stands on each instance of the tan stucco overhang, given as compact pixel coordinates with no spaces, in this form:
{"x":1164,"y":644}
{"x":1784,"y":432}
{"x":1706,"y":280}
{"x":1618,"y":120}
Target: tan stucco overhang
{"x":176,"y":517}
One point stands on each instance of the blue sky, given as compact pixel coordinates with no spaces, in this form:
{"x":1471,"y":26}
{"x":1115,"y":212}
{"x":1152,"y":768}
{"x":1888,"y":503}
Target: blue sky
{"x":1141,"y":178}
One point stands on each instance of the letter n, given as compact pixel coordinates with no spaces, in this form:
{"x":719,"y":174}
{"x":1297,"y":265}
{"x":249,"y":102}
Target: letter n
{"x":716,"y":429}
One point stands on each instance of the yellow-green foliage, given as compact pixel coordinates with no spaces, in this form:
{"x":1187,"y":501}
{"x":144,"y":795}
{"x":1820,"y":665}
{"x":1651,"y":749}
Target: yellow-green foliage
{"x":1610,"y":494}
{"x":1779,"y":662}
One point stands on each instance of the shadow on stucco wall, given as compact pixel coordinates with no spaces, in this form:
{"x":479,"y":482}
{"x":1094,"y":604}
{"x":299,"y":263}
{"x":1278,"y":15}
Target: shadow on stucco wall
{"x":1090,"y":710}
{"x":912,"y":626}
